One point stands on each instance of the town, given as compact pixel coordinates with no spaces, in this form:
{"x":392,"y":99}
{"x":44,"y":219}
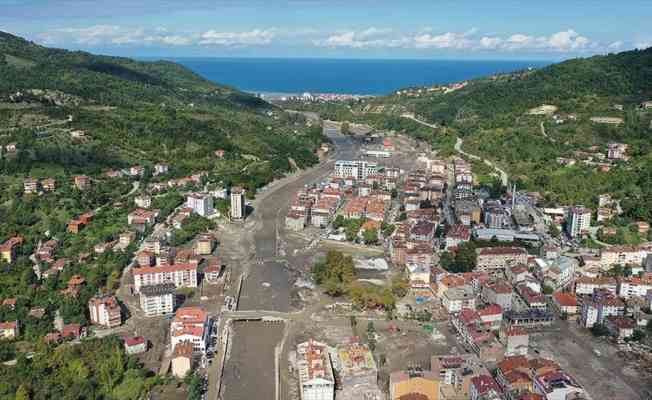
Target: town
{"x":480,"y":231}
{"x":453,"y":290}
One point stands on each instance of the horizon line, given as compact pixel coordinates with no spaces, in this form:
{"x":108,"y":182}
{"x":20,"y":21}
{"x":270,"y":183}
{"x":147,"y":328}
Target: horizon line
{"x":317,"y":58}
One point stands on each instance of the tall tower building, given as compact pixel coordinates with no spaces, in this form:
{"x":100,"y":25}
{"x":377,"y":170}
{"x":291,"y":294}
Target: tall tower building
{"x":237,"y":203}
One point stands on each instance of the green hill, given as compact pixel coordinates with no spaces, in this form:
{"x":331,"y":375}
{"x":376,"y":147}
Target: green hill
{"x":625,"y":78}
{"x":492,"y":116}
{"x":64,"y":114}
{"x":137,"y":112}
{"x":109,"y":80}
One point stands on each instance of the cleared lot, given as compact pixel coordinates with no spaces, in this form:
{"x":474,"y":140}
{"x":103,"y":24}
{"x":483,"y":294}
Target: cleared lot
{"x":601,"y":373}
{"x":249,"y":372}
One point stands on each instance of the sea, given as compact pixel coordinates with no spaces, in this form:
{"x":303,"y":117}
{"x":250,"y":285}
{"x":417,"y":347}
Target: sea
{"x":343,"y":76}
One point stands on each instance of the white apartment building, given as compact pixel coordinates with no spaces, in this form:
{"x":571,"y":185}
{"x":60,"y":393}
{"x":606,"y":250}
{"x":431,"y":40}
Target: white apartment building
{"x":623,"y":255}
{"x":238,"y":202}
{"x":459,"y":298}
{"x":356,"y":169}
{"x":496,"y":259}
{"x":315,"y":371}
{"x":157,"y":300}
{"x":193,"y":325}
{"x":105,"y":311}
{"x":634,"y":286}
{"x":201,"y":203}
{"x":143,"y":201}
{"x":161,"y":169}
{"x":181,"y":275}
{"x":578,"y":220}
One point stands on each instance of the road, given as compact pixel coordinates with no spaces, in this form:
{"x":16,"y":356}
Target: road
{"x":504,"y":177}
{"x":418,"y":121}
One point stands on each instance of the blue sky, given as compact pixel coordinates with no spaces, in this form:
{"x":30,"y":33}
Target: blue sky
{"x":479,"y":29}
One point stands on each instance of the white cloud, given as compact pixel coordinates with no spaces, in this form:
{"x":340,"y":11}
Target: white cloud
{"x":368,"y":38}
{"x":490,"y":42}
{"x":92,"y":35}
{"x":230,"y":39}
{"x":641,"y":45}
{"x":560,"y":42}
{"x":160,"y":36}
{"x":424,"y":39}
{"x":567,"y":40}
{"x":448,"y":40}
{"x":114,"y":35}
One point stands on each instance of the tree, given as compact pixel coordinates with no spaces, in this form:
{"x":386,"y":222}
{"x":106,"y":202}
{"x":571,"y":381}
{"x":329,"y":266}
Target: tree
{"x":599,"y":330}
{"x":335,"y":273}
{"x":638,"y":335}
{"x":400,"y":285}
{"x":387,"y":229}
{"x":345,"y":129}
{"x":22,"y":393}
{"x":370,"y":236}
{"x":338,"y":222}
{"x":354,"y":321}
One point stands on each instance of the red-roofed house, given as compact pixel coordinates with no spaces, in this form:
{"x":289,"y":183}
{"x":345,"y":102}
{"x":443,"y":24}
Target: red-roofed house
{"x":566,"y":303}
{"x":135,"y":345}
{"x":73,"y":331}
{"x":483,"y":385}
{"x":193,"y":325}
{"x":492,"y":316}
{"x":456,"y":235}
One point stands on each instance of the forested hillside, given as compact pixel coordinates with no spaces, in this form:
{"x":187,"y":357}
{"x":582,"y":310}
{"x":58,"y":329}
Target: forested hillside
{"x":625,"y":78}
{"x":73,"y":129}
{"x":135,"y":112}
{"x":109,"y":80}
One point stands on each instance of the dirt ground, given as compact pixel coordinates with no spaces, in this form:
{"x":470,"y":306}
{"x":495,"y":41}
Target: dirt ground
{"x":604,"y":376}
{"x":249,"y":372}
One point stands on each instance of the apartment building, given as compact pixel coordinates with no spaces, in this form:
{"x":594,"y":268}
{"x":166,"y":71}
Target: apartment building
{"x":316,"y":378}
{"x":181,"y":275}
{"x":238,"y":202}
{"x":497,"y":259}
{"x":158,"y":299}
{"x":355,"y":169}
{"x":201,"y":203}
{"x":191,"y":324}
{"x":105,"y":311}
{"x":578,"y":221}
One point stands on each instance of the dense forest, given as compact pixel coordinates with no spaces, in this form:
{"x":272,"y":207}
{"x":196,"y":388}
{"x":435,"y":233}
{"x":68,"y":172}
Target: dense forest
{"x":93,"y":369}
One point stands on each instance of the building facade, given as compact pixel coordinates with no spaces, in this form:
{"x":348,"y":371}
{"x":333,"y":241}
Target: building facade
{"x":237,"y":203}
{"x":181,"y":275}
{"x":158,"y":299}
{"x":316,"y":378}
{"x":356,"y":169}
{"x":105,"y":311}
